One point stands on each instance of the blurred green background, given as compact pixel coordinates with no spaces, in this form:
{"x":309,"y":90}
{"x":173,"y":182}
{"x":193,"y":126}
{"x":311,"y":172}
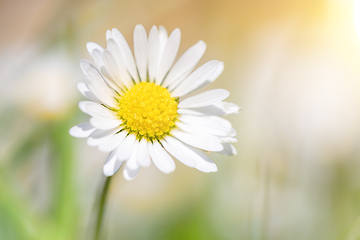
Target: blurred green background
{"x":293,"y":67}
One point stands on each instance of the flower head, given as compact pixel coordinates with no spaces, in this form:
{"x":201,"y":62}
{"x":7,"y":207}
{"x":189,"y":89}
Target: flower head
{"x":141,"y":110}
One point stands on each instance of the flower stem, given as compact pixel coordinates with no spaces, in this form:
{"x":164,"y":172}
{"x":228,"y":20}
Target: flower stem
{"x":101,"y":208}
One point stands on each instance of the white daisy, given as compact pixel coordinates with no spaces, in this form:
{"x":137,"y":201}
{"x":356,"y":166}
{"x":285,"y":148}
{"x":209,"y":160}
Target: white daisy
{"x":140,"y":108}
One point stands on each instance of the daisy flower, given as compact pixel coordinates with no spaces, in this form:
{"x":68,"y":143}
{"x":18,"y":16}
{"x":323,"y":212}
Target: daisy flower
{"x":144,"y":107}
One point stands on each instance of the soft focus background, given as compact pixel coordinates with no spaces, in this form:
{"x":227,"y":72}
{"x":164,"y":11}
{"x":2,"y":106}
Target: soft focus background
{"x":293,"y":67}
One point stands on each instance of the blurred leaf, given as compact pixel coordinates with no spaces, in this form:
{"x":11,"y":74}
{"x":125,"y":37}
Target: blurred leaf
{"x":20,"y":223}
{"x":65,"y":199}
{"x":27,"y":147}
{"x":191,"y":223}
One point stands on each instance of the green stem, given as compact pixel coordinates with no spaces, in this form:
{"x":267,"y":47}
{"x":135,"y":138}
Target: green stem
{"x":101,"y":208}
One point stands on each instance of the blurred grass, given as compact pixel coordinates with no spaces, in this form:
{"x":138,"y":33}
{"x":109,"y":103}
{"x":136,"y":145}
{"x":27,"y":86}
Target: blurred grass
{"x":65,"y":205}
{"x":60,"y":220}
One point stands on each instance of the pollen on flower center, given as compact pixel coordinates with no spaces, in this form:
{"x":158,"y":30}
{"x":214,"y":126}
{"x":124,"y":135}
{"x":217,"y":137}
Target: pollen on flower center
{"x":148,"y":110}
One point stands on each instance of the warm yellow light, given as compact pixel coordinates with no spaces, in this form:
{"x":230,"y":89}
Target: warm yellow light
{"x":357,"y":16}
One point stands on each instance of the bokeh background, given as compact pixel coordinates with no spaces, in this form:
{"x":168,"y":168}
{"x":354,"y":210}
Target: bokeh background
{"x":293,"y":67}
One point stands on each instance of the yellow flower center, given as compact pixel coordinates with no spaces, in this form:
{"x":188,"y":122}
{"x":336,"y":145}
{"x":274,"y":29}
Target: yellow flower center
{"x":148,"y":110}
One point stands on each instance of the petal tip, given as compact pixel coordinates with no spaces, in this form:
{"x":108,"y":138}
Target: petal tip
{"x":202,"y":43}
{"x":107,"y":173}
{"x":71,"y":131}
{"x":139,"y":27}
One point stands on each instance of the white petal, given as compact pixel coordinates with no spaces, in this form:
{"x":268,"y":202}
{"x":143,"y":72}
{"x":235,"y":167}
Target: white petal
{"x":161,"y":158}
{"x":211,"y":124}
{"x":176,"y":149}
{"x":130,"y":174}
{"x":111,"y":165}
{"x":228,"y":107}
{"x":82,"y":105}
{"x":192,"y":156}
{"x":82,"y":130}
{"x":125,"y":149}
{"x":98,"y":58}
{"x":191,"y":111}
{"x":86,"y":92}
{"x":108,"y":34}
{"x":98,"y":86}
{"x":113,"y":142}
{"x":153,"y":53}
{"x":228,"y":139}
{"x":91,"y":46}
{"x":204,"y":99}
{"x":197,"y":78}
{"x":217,"y":109}
{"x":140,"y":51}
{"x":197,"y":141}
{"x":114,"y":65}
{"x":104,"y":123}
{"x":163,"y":38}
{"x":85,"y":65}
{"x":168,"y":56}
{"x":229,"y":149}
{"x":203,"y":162}
{"x":99,"y":136}
{"x":126,"y":53}
{"x":143,"y":157}
{"x":112,"y":84}
{"x":131,"y":163}
{"x":185,"y":64}
{"x":216,"y":73}
{"x":119,"y":57}
{"x":196,"y":130}
{"x":97,"y":110}
{"x":215,"y":136}
{"x":111,"y":63}
{"x":104,"y":72}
